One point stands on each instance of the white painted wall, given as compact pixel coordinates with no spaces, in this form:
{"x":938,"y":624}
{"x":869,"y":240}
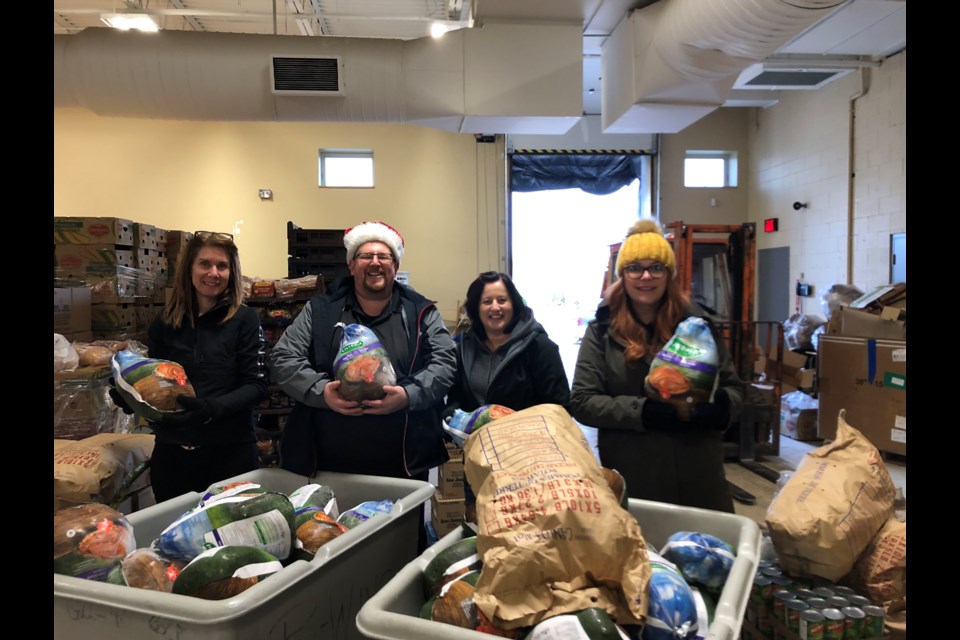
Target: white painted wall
{"x":802,"y":150}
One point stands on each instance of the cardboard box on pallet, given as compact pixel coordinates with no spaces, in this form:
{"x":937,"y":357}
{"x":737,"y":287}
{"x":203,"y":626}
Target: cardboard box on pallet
{"x":113,"y":318}
{"x":144,"y":236}
{"x":450,"y":479}
{"x":82,"y":230}
{"x":446,"y":513}
{"x":868,"y":379}
{"x":92,"y":258}
{"x":71,"y":310}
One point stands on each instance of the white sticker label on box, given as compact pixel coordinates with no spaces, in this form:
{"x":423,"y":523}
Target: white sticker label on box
{"x":899,"y":355}
{"x":900,"y":422}
{"x":898,"y":435}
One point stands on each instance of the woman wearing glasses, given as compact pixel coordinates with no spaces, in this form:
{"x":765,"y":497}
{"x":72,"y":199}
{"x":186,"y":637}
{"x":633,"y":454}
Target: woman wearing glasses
{"x":219,"y":341}
{"x":661,"y":456}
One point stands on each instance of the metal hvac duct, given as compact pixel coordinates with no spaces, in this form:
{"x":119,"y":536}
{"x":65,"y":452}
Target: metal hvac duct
{"x":673,"y":62}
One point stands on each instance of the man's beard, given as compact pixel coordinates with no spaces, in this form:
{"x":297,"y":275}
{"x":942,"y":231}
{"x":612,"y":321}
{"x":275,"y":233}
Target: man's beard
{"x":375,"y":286}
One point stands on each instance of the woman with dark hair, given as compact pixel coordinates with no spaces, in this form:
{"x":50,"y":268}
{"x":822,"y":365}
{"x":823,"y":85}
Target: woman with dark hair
{"x":218,"y":340}
{"x":662,"y":456}
{"x":505,"y":357}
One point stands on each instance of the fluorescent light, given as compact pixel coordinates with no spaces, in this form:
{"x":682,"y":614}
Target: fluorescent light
{"x":127,"y":21}
{"x":437,"y":29}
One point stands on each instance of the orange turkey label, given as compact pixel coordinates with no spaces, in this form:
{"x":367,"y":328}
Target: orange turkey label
{"x":172,"y":371}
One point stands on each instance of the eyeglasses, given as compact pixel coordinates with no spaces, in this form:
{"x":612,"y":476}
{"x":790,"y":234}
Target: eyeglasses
{"x":385,"y":258}
{"x":216,"y":235}
{"x":656,"y":270}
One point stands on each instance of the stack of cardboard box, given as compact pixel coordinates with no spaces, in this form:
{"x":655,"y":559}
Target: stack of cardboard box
{"x":118,"y":261}
{"x":862,"y":366}
{"x":447,"y":503}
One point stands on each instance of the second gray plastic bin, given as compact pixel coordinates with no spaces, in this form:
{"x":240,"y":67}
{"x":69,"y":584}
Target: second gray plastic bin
{"x":394,"y":612}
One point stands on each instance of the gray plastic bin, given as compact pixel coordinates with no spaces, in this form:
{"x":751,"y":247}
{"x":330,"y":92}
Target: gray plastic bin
{"x":316,"y":599}
{"x":394,"y":612}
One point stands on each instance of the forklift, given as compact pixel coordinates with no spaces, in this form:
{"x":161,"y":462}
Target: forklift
{"x":716,"y":268}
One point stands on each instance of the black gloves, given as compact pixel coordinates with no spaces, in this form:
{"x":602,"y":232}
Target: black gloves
{"x":198,"y":411}
{"x":707,"y":416}
{"x":712,"y":416}
{"x":119,"y":399}
{"x":660,"y":416}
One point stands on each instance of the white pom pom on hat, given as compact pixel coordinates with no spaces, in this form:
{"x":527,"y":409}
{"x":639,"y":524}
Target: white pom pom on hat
{"x":357,"y":236}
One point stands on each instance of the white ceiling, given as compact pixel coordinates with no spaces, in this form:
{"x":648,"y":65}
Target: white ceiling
{"x":857,"y":32}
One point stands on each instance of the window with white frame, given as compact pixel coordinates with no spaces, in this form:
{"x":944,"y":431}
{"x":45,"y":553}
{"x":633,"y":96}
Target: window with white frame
{"x":346,"y":167}
{"x":710,"y":169}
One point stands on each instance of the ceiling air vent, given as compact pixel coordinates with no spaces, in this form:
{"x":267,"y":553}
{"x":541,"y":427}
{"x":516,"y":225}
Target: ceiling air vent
{"x":764,"y":76}
{"x":306,"y":76}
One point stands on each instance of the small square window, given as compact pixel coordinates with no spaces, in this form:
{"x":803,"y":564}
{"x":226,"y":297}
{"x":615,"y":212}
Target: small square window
{"x":710,"y":169}
{"x":346,"y":167}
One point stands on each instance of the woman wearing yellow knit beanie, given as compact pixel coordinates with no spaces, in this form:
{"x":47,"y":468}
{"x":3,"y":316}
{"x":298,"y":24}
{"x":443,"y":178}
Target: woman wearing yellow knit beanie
{"x":662,"y":456}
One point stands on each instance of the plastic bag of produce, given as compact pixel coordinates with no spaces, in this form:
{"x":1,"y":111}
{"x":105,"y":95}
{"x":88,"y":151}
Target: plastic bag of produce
{"x":363,"y":512}
{"x":220,"y":491}
{"x":684,"y":372}
{"x":149,"y":385}
{"x":315,"y":495}
{"x":462,"y":423}
{"x":702,"y":558}
{"x":672,"y":612}
{"x":223,"y":572}
{"x":592,"y":624}
{"x":263,"y":520}
{"x":90,"y":540}
{"x":147,"y":569}
{"x":362,"y":365}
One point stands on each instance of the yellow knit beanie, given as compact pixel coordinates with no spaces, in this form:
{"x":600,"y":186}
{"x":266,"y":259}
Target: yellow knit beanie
{"x":645,"y":241}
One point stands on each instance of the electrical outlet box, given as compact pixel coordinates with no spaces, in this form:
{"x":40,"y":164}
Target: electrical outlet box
{"x":804,"y":290}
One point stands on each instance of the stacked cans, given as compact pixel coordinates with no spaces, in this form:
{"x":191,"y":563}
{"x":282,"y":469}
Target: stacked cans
{"x":787,"y":608}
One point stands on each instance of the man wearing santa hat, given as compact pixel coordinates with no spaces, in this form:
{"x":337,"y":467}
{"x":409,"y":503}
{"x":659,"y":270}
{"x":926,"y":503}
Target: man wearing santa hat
{"x":399,"y":435}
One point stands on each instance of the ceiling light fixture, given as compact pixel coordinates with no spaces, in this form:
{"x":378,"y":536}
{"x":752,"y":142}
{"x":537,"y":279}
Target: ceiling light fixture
{"x":437,"y":29}
{"x":128,"y":21}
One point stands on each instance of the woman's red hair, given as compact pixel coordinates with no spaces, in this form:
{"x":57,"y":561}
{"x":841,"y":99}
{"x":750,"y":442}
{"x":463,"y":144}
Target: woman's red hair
{"x":627,"y":329}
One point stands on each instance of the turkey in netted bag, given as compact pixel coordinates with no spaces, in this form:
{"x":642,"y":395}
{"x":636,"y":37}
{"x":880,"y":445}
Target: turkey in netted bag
{"x":362,"y":365}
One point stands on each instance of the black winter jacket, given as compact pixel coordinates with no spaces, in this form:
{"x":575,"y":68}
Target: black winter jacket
{"x":530,"y":373}
{"x":223,"y":362}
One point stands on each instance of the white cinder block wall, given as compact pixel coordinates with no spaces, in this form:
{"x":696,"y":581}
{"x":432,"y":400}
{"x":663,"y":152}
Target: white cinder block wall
{"x":801,"y":150}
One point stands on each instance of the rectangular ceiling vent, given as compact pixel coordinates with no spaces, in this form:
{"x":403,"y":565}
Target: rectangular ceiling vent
{"x":306,"y":76}
{"x":761,"y":76}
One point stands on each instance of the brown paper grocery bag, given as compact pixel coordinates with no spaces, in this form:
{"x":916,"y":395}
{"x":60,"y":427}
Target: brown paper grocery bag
{"x":832,"y":507}
{"x":552,"y":536}
{"x":880,"y":573}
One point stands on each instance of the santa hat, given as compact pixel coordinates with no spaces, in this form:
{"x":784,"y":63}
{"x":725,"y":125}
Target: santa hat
{"x":354,"y":237}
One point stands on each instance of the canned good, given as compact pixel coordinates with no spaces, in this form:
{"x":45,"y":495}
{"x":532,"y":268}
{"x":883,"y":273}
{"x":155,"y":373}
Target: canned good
{"x":804,"y":594}
{"x":762,"y":591}
{"x":771,"y":571}
{"x":818,"y":604}
{"x":841,"y":590}
{"x":794,"y":607}
{"x":859,"y":601}
{"x":856,"y":621}
{"x":811,"y":625}
{"x":784,"y":582}
{"x":780,"y":599}
{"x":873,"y":625}
{"x":824,"y":592}
{"x":838,"y":602}
{"x":834,"y":624}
